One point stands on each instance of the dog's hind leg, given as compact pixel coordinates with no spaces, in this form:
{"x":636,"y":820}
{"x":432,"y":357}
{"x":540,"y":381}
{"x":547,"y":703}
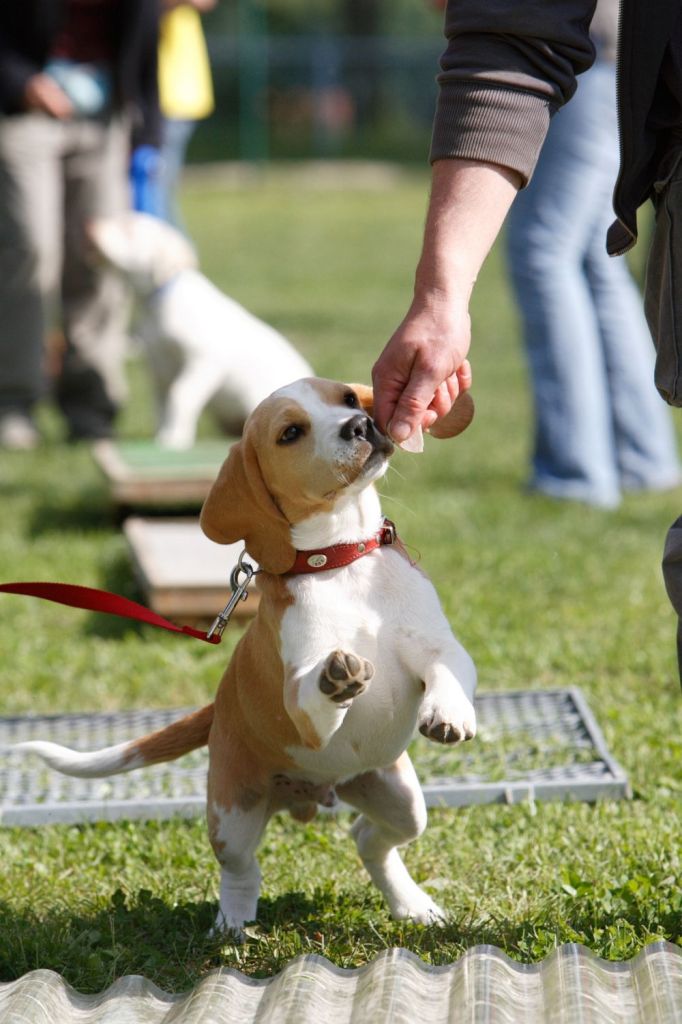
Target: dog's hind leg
{"x":238,"y":810}
{"x":393,"y":813}
{"x":235,"y":834}
{"x":196,"y":383}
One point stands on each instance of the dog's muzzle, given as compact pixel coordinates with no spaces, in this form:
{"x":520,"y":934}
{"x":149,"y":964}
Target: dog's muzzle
{"x":361,"y":427}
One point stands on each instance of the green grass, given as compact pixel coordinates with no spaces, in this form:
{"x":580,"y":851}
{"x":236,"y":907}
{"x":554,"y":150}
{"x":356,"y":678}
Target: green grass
{"x":542,"y":594}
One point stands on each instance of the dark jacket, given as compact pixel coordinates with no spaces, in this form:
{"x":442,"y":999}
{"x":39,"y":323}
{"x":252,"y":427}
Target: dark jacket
{"x":28,"y":29}
{"x":649,"y":110}
{"x":509,"y":65}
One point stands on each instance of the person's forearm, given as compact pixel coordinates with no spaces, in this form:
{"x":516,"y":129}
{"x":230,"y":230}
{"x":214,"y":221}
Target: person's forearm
{"x":423,"y":367}
{"x":468,"y":204}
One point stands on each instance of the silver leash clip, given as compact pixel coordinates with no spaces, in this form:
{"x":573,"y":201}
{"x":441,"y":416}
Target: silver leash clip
{"x":239,"y":588}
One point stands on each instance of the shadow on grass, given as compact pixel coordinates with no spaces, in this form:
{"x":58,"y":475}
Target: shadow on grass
{"x":87,"y":511}
{"x":172,"y":945}
{"x":168,"y":944}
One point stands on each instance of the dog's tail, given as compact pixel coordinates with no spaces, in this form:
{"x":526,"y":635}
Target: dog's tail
{"x":166,"y":744}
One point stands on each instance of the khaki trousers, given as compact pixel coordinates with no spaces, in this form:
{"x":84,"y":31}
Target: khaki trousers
{"x":54,"y":177}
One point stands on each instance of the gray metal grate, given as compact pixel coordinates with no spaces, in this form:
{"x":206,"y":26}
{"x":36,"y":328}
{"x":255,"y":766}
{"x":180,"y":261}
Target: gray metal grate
{"x":530,"y":745}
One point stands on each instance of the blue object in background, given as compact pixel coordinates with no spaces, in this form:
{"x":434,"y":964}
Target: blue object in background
{"x":145,"y":180}
{"x":88,"y":86}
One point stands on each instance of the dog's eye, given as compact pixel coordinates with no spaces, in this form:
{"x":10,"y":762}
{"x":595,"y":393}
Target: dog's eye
{"x":291,"y":434}
{"x":351,"y":400}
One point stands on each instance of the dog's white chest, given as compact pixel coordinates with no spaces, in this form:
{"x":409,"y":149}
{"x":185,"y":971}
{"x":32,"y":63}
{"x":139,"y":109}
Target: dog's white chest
{"x":369,"y":609}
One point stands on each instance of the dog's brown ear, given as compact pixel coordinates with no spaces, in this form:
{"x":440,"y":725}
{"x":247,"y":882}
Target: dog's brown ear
{"x":365,"y":397}
{"x":458,"y":419}
{"x":239,"y":507}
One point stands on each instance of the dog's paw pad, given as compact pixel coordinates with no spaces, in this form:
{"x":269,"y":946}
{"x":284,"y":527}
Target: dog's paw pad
{"x":434,"y":728}
{"x":345,"y":676}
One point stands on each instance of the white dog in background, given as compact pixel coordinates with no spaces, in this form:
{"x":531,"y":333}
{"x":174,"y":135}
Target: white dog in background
{"x":203,"y":348}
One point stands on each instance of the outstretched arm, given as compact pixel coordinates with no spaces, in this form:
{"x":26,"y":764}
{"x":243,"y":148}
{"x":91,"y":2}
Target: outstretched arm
{"x":423,"y":367}
{"x":507,"y":67}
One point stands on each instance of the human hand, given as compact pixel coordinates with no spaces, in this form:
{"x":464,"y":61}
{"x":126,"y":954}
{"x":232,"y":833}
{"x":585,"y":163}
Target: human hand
{"x":422,"y":369}
{"x":43,"y":94}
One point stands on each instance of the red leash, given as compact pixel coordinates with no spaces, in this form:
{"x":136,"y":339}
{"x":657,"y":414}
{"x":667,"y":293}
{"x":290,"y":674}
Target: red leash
{"x":94,"y":600}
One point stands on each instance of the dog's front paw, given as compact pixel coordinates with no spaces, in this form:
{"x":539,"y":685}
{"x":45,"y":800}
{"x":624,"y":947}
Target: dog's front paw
{"x":345,"y":676}
{"x":448,"y":725}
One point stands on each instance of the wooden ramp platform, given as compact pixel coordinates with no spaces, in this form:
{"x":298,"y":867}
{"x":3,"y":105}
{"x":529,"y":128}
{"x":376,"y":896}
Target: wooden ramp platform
{"x":184,"y":576}
{"x":143,"y":475}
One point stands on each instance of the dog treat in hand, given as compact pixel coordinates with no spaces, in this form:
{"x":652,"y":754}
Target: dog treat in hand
{"x":414,"y":443}
{"x":454,"y":422}
{"x":457,"y":419}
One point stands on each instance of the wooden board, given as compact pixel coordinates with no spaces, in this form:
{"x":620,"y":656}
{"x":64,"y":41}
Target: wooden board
{"x":141,"y":474}
{"x":183,"y":574}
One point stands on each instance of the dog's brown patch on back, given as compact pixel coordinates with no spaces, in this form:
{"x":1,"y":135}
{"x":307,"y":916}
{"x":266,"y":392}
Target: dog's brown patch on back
{"x":252,"y":729}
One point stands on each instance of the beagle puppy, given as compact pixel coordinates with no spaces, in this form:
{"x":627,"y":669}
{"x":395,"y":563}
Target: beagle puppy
{"x":349,"y":652}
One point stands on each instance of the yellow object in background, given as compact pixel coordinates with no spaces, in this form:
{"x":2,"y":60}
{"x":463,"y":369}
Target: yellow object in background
{"x":185,"y":84}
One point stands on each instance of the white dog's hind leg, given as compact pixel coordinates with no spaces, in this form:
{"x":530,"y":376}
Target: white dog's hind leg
{"x":196,"y":383}
{"x":235,"y":835}
{"x":393,"y":813}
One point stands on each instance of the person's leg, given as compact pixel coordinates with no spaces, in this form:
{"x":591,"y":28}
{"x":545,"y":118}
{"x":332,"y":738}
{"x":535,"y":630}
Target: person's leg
{"x":663,"y":307}
{"x":94,"y":300}
{"x":176,"y":136}
{"x":549,"y":228}
{"x":30,"y":263}
{"x":646,"y":450}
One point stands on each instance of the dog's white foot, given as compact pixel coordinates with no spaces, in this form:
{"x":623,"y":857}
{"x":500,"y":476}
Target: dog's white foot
{"x":229,"y":931}
{"x":238,"y":902}
{"x":447,"y":719}
{"x":420,"y":909}
{"x":175,"y":440}
{"x":345,"y":676}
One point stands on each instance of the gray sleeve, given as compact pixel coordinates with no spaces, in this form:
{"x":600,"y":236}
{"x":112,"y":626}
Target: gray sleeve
{"x":507,"y":67}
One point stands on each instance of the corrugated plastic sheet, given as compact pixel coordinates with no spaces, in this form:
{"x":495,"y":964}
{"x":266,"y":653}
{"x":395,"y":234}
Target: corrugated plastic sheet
{"x":571,"y":986}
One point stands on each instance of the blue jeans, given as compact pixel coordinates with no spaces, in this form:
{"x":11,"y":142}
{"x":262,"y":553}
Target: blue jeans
{"x":176,"y":135}
{"x":600,"y":426}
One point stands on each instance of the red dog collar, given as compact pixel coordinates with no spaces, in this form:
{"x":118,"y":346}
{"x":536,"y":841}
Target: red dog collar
{"x":321,"y":559}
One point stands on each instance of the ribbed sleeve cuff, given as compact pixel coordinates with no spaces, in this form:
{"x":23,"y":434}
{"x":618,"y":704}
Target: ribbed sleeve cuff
{"x":490,"y":123}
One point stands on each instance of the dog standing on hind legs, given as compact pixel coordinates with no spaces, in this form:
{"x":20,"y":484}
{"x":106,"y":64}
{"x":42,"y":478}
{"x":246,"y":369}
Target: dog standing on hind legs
{"x":348,"y":653}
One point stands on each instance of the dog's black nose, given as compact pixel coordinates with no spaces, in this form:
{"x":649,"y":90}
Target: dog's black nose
{"x":357,"y":426}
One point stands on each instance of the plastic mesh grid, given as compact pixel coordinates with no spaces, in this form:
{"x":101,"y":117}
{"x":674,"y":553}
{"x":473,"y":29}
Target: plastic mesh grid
{"x":530,"y":744}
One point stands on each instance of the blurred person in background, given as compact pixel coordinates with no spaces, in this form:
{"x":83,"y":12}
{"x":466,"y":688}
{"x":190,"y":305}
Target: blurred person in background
{"x":600,"y":427}
{"x":77,"y":78}
{"x":185,"y":92}
{"x":185,"y":97}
